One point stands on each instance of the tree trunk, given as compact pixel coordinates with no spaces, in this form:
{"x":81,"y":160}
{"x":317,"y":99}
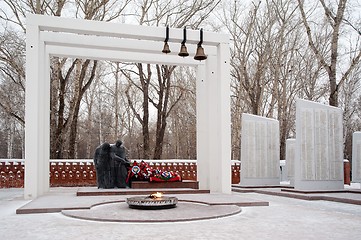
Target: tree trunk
{"x":79,"y":92}
{"x":116,"y":103}
{"x":333,"y":99}
{"x":164,"y":80}
{"x":57,"y":116}
{"x":145,"y":122}
{"x":329,"y":63}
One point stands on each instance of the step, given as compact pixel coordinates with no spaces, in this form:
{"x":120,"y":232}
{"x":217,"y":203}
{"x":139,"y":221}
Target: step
{"x":183,"y":184}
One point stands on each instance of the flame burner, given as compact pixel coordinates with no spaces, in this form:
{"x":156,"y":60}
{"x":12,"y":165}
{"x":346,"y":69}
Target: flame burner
{"x":153,"y":201}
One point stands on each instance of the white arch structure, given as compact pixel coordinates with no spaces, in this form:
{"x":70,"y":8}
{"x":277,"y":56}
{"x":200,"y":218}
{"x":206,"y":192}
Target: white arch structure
{"x":48,"y":36}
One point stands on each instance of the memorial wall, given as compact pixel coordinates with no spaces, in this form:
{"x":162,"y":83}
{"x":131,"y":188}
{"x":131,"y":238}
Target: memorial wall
{"x":319,"y":146}
{"x":290,"y":159}
{"x":260,"y":159}
{"x":356,"y":157}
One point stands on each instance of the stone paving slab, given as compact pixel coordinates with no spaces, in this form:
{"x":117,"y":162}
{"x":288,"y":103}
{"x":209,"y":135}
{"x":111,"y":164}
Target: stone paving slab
{"x":284,"y":218}
{"x":349,"y":196}
{"x":59,"y":199}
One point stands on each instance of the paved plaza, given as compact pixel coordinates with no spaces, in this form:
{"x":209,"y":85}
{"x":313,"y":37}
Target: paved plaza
{"x":284,"y":218}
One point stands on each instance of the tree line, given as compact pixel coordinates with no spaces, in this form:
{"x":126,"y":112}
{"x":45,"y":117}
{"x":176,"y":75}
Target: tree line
{"x":281,"y":50}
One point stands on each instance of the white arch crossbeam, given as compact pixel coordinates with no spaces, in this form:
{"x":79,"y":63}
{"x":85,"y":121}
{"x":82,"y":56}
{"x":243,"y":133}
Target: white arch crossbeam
{"x":53,"y":36}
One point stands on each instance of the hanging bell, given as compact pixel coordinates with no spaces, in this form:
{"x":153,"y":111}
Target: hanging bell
{"x":200,"y":54}
{"x":166,"y":48}
{"x":183,"y":51}
{"x":200,"y":51}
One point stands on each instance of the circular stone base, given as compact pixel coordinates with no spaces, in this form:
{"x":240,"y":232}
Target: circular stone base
{"x":184,"y":211}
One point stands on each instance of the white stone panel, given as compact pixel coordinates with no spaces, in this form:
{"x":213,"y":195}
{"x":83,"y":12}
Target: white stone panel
{"x":319,"y":142}
{"x":356,"y":157}
{"x":307,"y":144}
{"x":336,"y":146}
{"x":260,"y":161}
{"x":290,"y":159}
{"x":321,"y":149}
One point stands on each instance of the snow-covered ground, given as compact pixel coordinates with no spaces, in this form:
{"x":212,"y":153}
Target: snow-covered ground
{"x":285,"y":218}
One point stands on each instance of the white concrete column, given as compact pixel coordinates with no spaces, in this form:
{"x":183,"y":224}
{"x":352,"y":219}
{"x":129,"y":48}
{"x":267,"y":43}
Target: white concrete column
{"x":224,"y":83}
{"x":218,"y":75}
{"x":36,"y":117}
{"x":203,"y":173}
{"x":45,"y":111}
{"x":212,"y":115}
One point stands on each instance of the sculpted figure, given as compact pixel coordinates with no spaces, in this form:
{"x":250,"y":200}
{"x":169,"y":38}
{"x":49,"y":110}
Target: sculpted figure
{"x":120,"y":164}
{"x":102,"y":166}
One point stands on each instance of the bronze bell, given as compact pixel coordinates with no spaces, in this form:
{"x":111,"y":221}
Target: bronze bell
{"x":183,"y":51}
{"x":200,"y":54}
{"x":166,"y":48}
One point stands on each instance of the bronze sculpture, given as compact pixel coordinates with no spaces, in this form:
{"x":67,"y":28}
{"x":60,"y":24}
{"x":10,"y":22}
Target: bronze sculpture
{"x":111,"y":165}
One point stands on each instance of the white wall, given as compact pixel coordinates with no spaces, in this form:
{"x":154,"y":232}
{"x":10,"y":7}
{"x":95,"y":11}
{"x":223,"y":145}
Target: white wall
{"x":290,"y":159}
{"x":356,"y":157}
{"x":260,"y":151}
{"x":319,"y":147}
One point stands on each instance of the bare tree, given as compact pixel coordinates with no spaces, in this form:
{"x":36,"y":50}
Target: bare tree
{"x":329,"y":60}
{"x":251,"y":58}
{"x":90,"y":99}
{"x":144,"y":79}
{"x":81,"y":73}
{"x":12,"y":87}
{"x":284,"y":67}
{"x":70,"y":78}
{"x":164,"y":105}
{"x":252,"y":51}
{"x":270,"y":66}
{"x":12,"y":72}
{"x":181,"y":140}
{"x":348,"y":100}
{"x":157,"y":93}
